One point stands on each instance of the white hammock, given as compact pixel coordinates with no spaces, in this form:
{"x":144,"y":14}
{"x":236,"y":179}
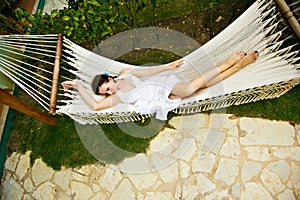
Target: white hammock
{"x":259,"y":28}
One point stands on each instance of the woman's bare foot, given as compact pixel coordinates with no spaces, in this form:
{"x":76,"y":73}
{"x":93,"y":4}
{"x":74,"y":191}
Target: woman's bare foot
{"x":246,"y":60}
{"x":232,"y":60}
{"x":235,"y":57}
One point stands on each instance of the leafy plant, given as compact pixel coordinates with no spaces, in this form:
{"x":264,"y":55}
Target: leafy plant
{"x":89,"y":22}
{"x":7,"y":17}
{"x":212,"y":3}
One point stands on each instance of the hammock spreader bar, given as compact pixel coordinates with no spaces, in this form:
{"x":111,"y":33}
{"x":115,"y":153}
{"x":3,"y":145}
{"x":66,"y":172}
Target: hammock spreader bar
{"x":288,"y":15}
{"x":54,"y":89}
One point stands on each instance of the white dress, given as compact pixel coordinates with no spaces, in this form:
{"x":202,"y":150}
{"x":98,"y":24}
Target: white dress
{"x":151,"y":95}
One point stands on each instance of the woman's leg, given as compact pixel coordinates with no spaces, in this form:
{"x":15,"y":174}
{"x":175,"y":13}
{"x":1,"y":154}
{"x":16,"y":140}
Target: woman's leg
{"x":251,"y":57}
{"x":229,"y":67}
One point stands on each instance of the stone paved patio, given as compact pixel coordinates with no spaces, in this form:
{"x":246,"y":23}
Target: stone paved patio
{"x":234,"y":158}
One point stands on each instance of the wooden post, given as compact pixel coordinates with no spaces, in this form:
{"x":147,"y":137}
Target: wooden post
{"x":54,"y":89}
{"x":288,"y":15}
{"x":17,"y":104}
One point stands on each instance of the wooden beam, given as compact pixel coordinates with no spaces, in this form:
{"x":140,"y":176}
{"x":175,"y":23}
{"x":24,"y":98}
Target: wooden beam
{"x":288,"y":15}
{"x":54,"y":89}
{"x":17,"y":104}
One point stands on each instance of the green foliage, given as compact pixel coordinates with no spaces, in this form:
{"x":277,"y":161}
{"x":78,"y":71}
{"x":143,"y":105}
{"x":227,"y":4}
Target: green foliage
{"x":87,"y":23}
{"x":8,"y":5}
{"x":212,"y":3}
{"x":7,"y":17}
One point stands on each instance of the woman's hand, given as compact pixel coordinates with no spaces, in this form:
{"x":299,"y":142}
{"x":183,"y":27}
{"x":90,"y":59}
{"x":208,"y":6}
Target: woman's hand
{"x":69,"y":84}
{"x":176,"y":64}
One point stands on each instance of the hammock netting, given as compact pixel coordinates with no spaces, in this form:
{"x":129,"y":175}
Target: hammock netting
{"x":28,"y":61}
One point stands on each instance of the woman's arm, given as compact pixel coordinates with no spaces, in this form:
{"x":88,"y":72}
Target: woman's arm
{"x":153,"y":70}
{"x":89,"y":100}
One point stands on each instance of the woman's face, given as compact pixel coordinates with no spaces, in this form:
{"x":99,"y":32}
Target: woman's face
{"x":108,"y":88}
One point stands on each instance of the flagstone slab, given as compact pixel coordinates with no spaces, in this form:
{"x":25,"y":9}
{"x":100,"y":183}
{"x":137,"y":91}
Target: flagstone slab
{"x":200,"y":136}
{"x":138,"y":164}
{"x":80,"y":190}
{"x":297,"y":128}
{"x":184,"y":169}
{"x":227,"y":170}
{"x":157,"y":185}
{"x":142,"y":181}
{"x":158,"y":195}
{"x":124,"y":191}
{"x":192,"y":122}
{"x":110,"y":179}
{"x":23,"y":165}
{"x":287,"y":194}
{"x":28,"y":185}
{"x":290,"y":153}
{"x":169,"y":173}
{"x":295,"y":173}
{"x":190,"y":188}
{"x":60,"y":194}
{"x":258,"y":153}
{"x":190,"y":191}
{"x":249,"y":170}
{"x":62,"y":178}
{"x":205,"y":185}
{"x":221,"y":122}
{"x":41,"y":172}
{"x":255,"y":191}
{"x":234,"y":131}
{"x":236,"y":190}
{"x":12,"y":161}
{"x":11,"y":189}
{"x":100,"y":195}
{"x":44,"y":192}
{"x":27,"y":197}
{"x":218,"y":195}
{"x":266,"y":132}
{"x":196,"y":185}
{"x":281,"y":168}
{"x":271,"y":181}
{"x":204,"y":163}
{"x":81,"y":174}
{"x":95,"y":188}
{"x":186,"y":149}
{"x":163,"y":142}
{"x":178,"y":191}
{"x":231,"y":148}
{"x":160,"y":161}
{"x":213,"y":141}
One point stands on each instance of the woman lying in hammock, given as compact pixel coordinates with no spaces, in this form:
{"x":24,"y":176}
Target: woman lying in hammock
{"x":157,"y":94}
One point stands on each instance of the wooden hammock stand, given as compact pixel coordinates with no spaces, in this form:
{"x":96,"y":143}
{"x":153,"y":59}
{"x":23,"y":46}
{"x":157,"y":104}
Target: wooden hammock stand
{"x":17,"y":104}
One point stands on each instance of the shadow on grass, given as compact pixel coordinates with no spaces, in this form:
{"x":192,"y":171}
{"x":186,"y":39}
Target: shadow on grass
{"x":70,"y":145}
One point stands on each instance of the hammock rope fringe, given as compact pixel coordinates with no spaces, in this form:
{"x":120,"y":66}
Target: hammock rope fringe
{"x":28,"y":61}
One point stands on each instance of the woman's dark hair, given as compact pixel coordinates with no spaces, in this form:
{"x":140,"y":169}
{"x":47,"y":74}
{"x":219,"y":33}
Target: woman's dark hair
{"x":99,"y":80}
